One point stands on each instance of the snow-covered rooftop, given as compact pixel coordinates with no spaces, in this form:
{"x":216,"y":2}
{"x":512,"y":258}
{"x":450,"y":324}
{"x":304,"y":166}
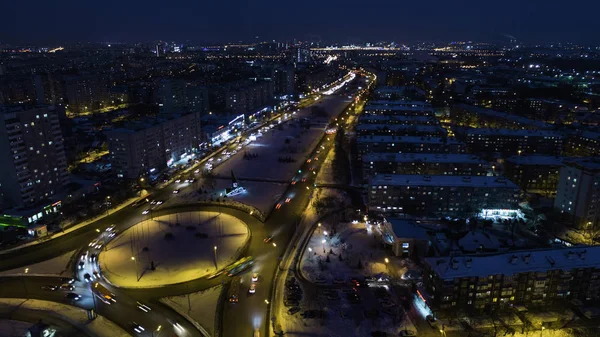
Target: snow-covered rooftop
{"x":515,"y":262}
{"x":423,"y":157}
{"x":407,"y":229}
{"x":441,"y":180}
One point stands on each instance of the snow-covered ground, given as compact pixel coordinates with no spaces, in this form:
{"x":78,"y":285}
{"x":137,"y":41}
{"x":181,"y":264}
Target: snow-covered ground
{"x":11,"y":328}
{"x":188,"y":255}
{"x":73,"y":315}
{"x":272,"y":145}
{"x":58,"y":266}
{"x":260,"y":195}
{"x":199,"y":307}
{"x":362,"y":255}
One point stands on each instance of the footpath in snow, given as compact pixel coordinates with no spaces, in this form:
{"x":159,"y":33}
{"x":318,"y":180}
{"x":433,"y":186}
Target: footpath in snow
{"x":33,"y":310}
{"x":179,"y":246}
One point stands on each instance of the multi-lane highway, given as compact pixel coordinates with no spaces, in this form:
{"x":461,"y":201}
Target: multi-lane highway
{"x":240,"y":319}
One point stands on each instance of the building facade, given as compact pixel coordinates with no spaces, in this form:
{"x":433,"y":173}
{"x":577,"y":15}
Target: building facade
{"x":151,"y":145}
{"x":85,"y":93}
{"x":423,"y":164}
{"x":536,"y":173}
{"x":530,"y":278}
{"x":33,"y":164}
{"x":412,"y":144}
{"x":400,"y":130}
{"x":509,"y":142}
{"x":456,"y":195}
{"x":578,"y":193}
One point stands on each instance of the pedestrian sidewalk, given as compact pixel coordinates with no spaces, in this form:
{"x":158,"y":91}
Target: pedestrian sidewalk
{"x":74,"y":227}
{"x":77,"y":317}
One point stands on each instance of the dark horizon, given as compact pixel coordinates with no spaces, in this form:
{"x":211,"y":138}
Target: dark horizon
{"x":40,"y":22}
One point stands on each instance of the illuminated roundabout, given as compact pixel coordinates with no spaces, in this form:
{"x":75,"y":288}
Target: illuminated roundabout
{"x":172,"y":249}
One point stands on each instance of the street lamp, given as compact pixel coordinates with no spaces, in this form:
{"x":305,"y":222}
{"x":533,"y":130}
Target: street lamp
{"x":216,"y":264}
{"x":324,"y":245}
{"x":274,"y":244}
{"x":136,"y":268}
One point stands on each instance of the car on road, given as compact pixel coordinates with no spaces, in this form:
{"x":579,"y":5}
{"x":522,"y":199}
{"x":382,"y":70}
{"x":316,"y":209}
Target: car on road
{"x":93,"y":257}
{"x":137,"y":328}
{"x":293,"y":182}
{"x":87,"y":277}
{"x":178,"y":181}
{"x":268,"y":239}
{"x":146,"y":211}
{"x":212,"y":276}
{"x":143,"y":307}
{"x":49,"y":287}
{"x":159,"y":202}
{"x":67,"y":286}
{"x":73,"y":296}
{"x":293,"y":310}
{"x":68,"y":280}
{"x":254,"y":277}
{"x":110,"y":228}
{"x":84,"y":256}
{"x":288,"y":200}
{"x":81,"y":265}
{"x":175,"y":191}
{"x":252,"y":289}
{"x":93,"y":243}
{"x":278,"y":206}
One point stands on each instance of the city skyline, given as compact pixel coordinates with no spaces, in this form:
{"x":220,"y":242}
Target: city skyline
{"x":351,"y":21}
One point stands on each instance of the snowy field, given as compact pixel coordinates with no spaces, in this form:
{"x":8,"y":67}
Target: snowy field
{"x":260,"y":195}
{"x":99,"y":327}
{"x":58,"y":266}
{"x":187,"y":255}
{"x":272,"y":145}
{"x":360,"y":250}
{"x":199,"y":306}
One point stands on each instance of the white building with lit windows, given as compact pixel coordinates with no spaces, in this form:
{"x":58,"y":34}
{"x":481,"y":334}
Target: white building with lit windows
{"x":32,"y":157}
{"x":578,"y":192}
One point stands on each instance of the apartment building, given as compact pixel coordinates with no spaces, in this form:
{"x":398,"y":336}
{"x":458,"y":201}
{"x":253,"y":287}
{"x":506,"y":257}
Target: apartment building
{"x":33,"y":163}
{"x":439,"y":194}
{"x":423,"y":163}
{"x":412,"y":144}
{"x":578,"y":192}
{"x":152,"y":144}
{"x":401,"y":130}
{"x":530,"y":278}
{"x":535,"y":173}
{"x":508,"y":142}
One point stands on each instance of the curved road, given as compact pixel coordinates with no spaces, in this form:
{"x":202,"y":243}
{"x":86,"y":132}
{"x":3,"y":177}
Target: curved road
{"x":240,"y":319}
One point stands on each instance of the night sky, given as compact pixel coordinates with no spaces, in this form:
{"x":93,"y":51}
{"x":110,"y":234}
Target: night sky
{"x":43,"y":21}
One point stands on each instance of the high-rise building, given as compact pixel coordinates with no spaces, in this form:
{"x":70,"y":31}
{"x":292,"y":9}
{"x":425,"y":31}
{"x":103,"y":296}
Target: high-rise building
{"x":578,"y":193}
{"x":180,"y":95}
{"x":284,"y":81}
{"x":86,"y":93}
{"x":32,"y":163}
{"x":148,"y":146}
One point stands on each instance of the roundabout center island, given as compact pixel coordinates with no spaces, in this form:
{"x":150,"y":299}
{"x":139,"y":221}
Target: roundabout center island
{"x":172,"y":249}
